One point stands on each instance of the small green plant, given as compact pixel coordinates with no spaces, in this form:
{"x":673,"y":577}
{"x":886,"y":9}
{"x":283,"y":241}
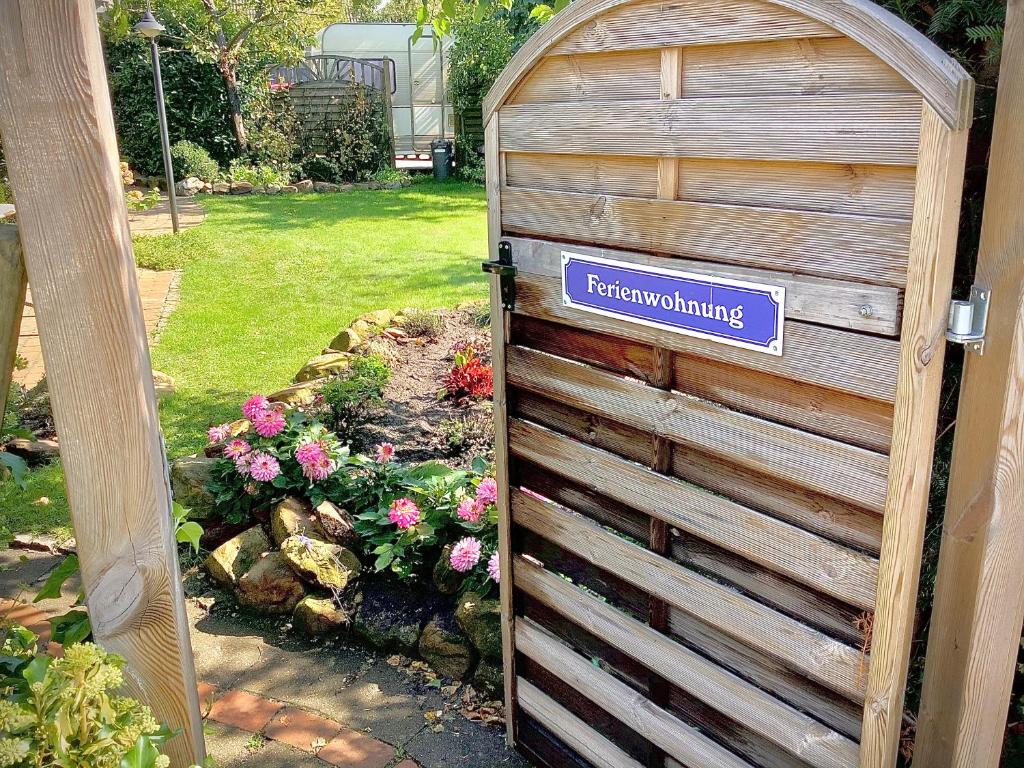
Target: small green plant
{"x":257,"y":175}
{"x":255,"y":743}
{"x":139,"y":201}
{"x":190,"y":159}
{"x":420,"y":324}
{"x":389,"y":175}
{"x":320,"y":168}
{"x":354,"y":396}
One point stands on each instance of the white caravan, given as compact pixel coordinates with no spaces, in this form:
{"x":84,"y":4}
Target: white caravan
{"x":419,"y":107}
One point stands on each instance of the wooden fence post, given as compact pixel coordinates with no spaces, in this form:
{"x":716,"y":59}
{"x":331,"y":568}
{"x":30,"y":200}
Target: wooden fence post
{"x":979,"y":597}
{"x":58,"y":130}
{"x":12,"y":302}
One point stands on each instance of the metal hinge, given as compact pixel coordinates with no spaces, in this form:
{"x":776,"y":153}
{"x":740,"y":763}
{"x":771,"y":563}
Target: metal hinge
{"x":506,"y":273}
{"x":969,"y":319}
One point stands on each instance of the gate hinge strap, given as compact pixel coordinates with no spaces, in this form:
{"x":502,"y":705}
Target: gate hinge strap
{"x":506,"y":272}
{"x":968,"y":320}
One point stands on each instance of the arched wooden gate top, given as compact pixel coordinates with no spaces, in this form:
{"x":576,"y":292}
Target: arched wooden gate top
{"x":940,"y":80}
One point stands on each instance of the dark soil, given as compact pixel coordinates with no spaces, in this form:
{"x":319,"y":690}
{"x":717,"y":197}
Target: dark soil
{"x":418,"y":420}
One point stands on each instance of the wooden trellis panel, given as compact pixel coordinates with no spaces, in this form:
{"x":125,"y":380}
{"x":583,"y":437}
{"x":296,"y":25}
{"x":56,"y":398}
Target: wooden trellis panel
{"x":711,"y":553}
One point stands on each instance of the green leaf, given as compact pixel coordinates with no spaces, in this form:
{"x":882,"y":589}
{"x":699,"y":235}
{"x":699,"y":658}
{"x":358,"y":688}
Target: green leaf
{"x":71,"y":627}
{"x":35,"y":672}
{"x":189,"y":532}
{"x":16,"y":466}
{"x":54,"y":582}
{"x":384,"y":561}
{"x":480,"y":465}
{"x":142,"y":755}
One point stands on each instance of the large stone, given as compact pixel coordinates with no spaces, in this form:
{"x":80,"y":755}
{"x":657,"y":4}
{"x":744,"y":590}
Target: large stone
{"x":270,"y":585}
{"x":326,"y":565}
{"x":221,"y":188}
{"x":324,"y":186}
{"x":164,"y":384}
{"x":304,"y":186}
{"x":298,"y":394}
{"x":362,"y":328}
{"x":489,"y":678}
{"x":189,"y":186}
{"x":190,"y":476}
{"x":324,"y":365}
{"x":33,"y":451}
{"x":480,"y":619}
{"x":378,"y":317}
{"x":241,"y":188}
{"x":289,"y":189}
{"x":292,"y":517}
{"x":445,"y":648}
{"x":235,"y":556}
{"x":337,"y":524}
{"x":272,"y":189}
{"x":391,"y":615}
{"x":447,"y":579}
{"x":346,"y":341}
{"x":319,"y":616}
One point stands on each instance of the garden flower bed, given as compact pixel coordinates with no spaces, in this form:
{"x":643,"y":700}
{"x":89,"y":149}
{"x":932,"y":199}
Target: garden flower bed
{"x":359,"y":499}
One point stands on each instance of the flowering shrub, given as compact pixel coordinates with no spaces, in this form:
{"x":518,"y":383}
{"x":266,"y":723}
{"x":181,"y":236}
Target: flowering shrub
{"x":470,"y":378}
{"x":63,"y":712}
{"x":270,"y":453}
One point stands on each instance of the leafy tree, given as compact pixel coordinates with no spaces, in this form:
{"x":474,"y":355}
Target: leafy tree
{"x":229,"y":32}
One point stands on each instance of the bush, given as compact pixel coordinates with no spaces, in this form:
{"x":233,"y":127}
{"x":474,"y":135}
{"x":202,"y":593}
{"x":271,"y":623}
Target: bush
{"x":420,"y":324}
{"x":319,"y":168}
{"x":356,"y":139}
{"x":190,"y":159}
{"x":353,"y":397}
{"x":257,"y":175}
{"x":470,"y":378}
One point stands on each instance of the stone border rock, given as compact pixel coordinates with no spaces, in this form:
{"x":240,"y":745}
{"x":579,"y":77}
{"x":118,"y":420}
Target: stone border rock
{"x":192,"y":186}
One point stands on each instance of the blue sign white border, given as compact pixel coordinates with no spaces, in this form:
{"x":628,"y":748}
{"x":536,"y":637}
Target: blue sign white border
{"x":777,"y":293}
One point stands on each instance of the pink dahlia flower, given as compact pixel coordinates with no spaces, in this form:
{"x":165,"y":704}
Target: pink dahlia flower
{"x":487,"y":492}
{"x":252,"y":489}
{"x":309,"y":453}
{"x":242,"y":464}
{"x":263,"y":467}
{"x":404,"y":513}
{"x":319,"y":469}
{"x":493,"y":568}
{"x":254,"y":405}
{"x":385,"y":452}
{"x":269,"y":423}
{"x":236,"y":449}
{"x":465,"y":554}
{"x":469,"y":510}
{"x":219,"y":433}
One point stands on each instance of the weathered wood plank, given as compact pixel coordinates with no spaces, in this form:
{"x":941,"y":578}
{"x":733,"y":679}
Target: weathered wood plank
{"x":571,"y":730}
{"x":756,"y":710}
{"x":815,"y":655}
{"x":588,"y":174}
{"x":55,"y":114}
{"x":847,"y":362}
{"x":655,"y":724}
{"x":880,"y":129}
{"x":592,"y":77}
{"x":827,"y":466}
{"x":926,"y":307}
{"x":854,"y":248}
{"x":13,"y":285}
{"x":689,"y":22}
{"x":819,"y":300}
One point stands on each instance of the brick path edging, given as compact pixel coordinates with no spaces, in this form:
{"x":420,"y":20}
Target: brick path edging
{"x":331,"y":742}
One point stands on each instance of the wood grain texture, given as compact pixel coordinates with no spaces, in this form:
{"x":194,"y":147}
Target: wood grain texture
{"x":979,"y":592}
{"x":854,"y":248}
{"x":827,"y":466}
{"x":811,"y":653}
{"x":881,"y":129}
{"x":835,"y":303}
{"x":13,"y":284}
{"x":588,"y":174}
{"x":761,"y":713}
{"x":657,"y":725}
{"x":600,"y":752}
{"x":55,"y":113}
{"x":938,"y":78}
{"x":853,"y":363}
{"x":592,"y":77}
{"x":925,"y":310}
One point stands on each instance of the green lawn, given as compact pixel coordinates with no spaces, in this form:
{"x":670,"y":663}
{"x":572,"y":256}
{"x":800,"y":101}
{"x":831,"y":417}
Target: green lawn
{"x":267,"y":283}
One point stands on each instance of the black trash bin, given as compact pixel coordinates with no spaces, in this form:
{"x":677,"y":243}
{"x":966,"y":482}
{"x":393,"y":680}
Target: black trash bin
{"x":442,"y":152}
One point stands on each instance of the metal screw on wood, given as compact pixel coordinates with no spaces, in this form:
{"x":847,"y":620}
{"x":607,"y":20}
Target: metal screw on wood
{"x":866,"y":310}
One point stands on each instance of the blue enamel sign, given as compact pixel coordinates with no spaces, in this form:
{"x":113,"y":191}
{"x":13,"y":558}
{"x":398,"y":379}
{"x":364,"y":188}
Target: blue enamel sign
{"x":735,"y":312}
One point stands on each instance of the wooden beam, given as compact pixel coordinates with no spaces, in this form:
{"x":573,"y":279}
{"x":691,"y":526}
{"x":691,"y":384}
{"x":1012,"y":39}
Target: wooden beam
{"x":13,"y":284}
{"x":979,"y":599}
{"x":56,"y":119}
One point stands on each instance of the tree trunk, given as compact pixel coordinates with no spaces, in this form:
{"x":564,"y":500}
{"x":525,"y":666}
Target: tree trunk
{"x":227,"y":71}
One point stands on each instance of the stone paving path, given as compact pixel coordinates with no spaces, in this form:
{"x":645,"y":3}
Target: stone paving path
{"x":273,"y":699}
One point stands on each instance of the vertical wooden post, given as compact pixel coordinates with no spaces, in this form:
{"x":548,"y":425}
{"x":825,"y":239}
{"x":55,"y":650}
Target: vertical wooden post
{"x":13,"y":285}
{"x":58,"y":131}
{"x":979,"y":597}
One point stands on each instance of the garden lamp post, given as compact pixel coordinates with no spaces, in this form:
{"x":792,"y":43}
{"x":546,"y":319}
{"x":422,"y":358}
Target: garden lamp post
{"x":149,"y":28}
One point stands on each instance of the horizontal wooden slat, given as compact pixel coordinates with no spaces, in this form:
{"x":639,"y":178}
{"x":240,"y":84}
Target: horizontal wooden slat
{"x":801,"y":648}
{"x":818,"y":463}
{"x":847,"y":362}
{"x":570,"y":729}
{"x":819,"y":300}
{"x":587,"y":174}
{"x":853,"y":248}
{"x":592,"y":77}
{"x":761,"y":713}
{"x":854,"y":128}
{"x":652,"y":722}
{"x":688,"y":22}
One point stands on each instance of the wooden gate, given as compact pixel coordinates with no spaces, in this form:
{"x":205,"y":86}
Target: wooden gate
{"x":710,"y":551}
